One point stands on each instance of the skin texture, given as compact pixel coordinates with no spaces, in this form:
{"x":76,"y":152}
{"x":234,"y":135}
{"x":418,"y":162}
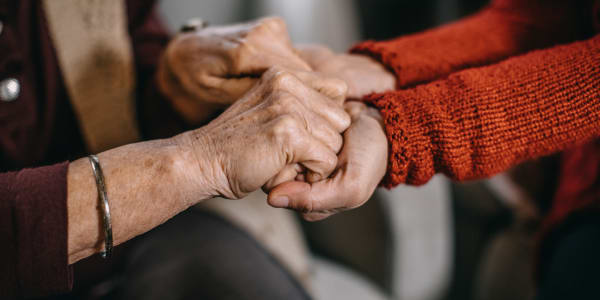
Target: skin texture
{"x":361,"y":166}
{"x":207,"y":70}
{"x":281,"y":127}
{"x":363,"y":74}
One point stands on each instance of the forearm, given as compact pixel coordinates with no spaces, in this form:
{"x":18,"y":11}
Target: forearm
{"x":503,"y":29}
{"x":147,"y":183}
{"x":483,"y":121}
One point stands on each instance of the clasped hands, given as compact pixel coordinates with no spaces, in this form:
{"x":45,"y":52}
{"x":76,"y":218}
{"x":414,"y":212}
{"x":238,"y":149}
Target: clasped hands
{"x":287,"y":125}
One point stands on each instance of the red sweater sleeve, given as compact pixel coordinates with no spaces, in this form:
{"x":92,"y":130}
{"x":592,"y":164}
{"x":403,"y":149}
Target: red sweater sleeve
{"x":33,"y":233}
{"x":481,"y":121}
{"x":503,"y":29}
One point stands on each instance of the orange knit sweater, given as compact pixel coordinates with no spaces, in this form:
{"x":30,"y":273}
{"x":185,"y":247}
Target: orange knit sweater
{"x":494,"y":102}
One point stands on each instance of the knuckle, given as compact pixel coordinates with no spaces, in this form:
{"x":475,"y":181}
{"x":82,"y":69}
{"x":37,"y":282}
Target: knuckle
{"x":285,"y":100}
{"x":282,"y":103}
{"x":274,"y":23}
{"x":330,"y":161}
{"x":337,"y":143}
{"x":285,"y":127}
{"x":345,"y":120}
{"x":354,"y":108}
{"x":282,"y":79}
{"x":338,"y":87}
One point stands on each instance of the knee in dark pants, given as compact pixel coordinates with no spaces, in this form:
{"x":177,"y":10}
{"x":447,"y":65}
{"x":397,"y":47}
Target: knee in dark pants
{"x":200,"y":256}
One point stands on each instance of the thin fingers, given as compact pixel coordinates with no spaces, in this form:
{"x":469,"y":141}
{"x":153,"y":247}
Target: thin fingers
{"x":330,"y":110}
{"x":333,"y":88}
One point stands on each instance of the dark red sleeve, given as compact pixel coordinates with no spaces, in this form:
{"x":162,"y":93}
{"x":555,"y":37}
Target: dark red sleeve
{"x":149,"y":37}
{"x":33,"y":232}
{"x":503,"y":29}
{"x":481,"y":121}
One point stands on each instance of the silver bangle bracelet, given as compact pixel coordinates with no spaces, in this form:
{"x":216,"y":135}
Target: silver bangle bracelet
{"x":103,"y":204}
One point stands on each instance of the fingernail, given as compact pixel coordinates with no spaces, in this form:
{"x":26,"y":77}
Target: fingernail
{"x":280,"y":201}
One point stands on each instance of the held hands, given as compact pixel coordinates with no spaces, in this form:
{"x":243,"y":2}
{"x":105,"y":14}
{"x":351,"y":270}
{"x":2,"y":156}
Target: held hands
{"x":287,"y":129}
{"x":280,"y":128}
{"x":360,"y":167}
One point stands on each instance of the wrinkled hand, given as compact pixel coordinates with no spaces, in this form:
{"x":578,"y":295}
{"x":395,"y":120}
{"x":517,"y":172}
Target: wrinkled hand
{"x":204,"y":71}
{"x":363,"y":74}
{"x":279,"y":129}
{"x":361,"y":166}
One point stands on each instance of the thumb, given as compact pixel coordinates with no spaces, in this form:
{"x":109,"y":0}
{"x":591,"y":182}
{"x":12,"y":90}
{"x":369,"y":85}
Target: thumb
{"x":304,"y":197}
{"x":289,"y":195}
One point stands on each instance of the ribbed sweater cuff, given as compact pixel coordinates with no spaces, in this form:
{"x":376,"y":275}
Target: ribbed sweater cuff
{"x":402,"y":131}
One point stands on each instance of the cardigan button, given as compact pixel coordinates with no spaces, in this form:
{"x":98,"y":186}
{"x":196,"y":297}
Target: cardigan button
{"x":9,"y":89}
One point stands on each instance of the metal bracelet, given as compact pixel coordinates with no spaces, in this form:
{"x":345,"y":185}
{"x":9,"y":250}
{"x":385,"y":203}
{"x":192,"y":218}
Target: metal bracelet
{"x":103,"y":205}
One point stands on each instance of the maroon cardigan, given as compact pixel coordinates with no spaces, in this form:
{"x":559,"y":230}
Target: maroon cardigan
{"x":39,"y":128}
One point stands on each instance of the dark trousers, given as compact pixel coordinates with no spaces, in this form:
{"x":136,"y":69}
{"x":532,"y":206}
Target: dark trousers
{"x":195,"y":255}
{"x":572,"y":269}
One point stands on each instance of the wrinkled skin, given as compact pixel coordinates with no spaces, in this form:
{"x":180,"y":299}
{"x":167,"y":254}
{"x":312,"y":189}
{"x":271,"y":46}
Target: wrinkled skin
{"x":204,"y":71}
{"x":363,"y":74}
{"x":361,"y":166}
{"x":280,"y":128}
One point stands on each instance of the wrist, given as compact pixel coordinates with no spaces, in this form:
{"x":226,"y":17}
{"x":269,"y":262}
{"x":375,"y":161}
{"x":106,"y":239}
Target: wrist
{"x":197,"y":165}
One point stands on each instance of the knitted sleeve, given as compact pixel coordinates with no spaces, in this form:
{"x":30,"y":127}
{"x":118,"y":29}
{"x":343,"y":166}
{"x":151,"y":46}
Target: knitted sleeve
{"x":503,"y":29}
{"x":481,"y":121}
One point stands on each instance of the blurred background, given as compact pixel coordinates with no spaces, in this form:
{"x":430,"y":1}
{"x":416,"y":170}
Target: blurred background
{"x":440,"y":241}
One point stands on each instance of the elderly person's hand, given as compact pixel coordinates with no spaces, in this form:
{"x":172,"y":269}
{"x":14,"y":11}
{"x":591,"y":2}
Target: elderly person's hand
{"x":279,"y":129}
{"x":363,"y":74}
{"x":361,"y":166}
{"x":206,"y":70}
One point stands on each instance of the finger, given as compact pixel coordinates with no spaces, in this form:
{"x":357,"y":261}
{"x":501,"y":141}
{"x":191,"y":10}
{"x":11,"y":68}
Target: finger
{"x":331,"y":87}
{"x":313,"y":53}
{"x":321,"y":196}
{"x":222,"y":90}
{"x":332,"y":112}
{"x":289,"y":173}
{"x":318,"y":159}
{"x":323,"y":132}
{"x":271,"y":45}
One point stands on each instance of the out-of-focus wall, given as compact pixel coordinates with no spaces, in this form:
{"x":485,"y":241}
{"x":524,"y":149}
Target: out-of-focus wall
{"x":331,"y":22}
{"x":175,"y":12}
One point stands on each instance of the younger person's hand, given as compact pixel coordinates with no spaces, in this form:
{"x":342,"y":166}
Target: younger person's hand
{"x":361,"y":166}
{"x":363,"y":74}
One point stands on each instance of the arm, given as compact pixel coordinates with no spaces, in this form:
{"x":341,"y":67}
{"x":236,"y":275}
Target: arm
{"x":471,"y":125}
{"x":483,"y":121}
{"x":503,"y":29}
{"x":32,"y":205}
{"x":50,"y":218}
{"x":150,"y":182}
